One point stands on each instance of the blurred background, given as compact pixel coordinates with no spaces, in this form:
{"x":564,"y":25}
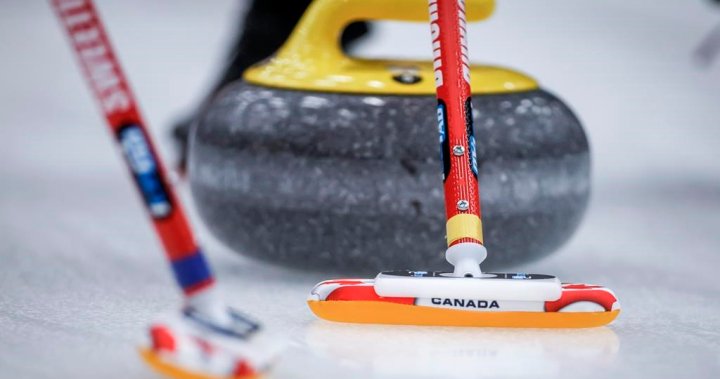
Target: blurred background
{"x":81,"y":273}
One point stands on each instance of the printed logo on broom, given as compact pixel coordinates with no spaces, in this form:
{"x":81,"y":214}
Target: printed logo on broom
{"x":444,"y":143}
{"x":435,"y":33}
{"x":441,"y":121}
{"x":463,"y":43}
{"x":437,"y":52}
{"x":145,"y":170}
{"x":463,"y":303}
{"x":470,"y":129}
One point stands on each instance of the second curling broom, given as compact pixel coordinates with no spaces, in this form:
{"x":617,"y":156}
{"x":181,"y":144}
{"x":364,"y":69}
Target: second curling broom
{"x":206,"y":339}
{"x":467,"y":296}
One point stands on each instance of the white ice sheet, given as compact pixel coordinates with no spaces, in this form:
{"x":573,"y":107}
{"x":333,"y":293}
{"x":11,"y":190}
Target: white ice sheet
{"x":81,"y":273}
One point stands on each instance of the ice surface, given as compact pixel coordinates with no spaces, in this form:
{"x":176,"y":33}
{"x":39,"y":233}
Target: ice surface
{"x":81,"y":274}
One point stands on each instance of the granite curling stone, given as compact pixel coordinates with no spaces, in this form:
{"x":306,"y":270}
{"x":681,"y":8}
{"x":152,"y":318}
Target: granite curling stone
{"x":334,"y":164}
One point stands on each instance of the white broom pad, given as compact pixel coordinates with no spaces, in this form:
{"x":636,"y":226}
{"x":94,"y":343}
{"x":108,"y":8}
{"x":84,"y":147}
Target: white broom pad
{"x":490,"y":286}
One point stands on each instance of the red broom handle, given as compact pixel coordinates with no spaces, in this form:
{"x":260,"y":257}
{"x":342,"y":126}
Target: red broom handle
{"x":111,"y":89}
{"x":452,"y":80}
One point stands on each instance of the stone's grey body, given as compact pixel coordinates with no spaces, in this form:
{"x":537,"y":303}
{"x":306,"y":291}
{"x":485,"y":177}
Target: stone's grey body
{"x":353,"y":182}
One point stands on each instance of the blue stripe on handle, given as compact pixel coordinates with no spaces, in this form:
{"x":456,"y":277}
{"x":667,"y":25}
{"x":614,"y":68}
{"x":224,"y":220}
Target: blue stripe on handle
{"x":191,"y":270}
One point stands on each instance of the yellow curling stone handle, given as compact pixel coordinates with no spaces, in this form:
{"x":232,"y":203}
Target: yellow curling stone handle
{"x":312,"y":58}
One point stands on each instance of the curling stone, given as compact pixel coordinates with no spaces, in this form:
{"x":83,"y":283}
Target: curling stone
{"x":318,"y":160}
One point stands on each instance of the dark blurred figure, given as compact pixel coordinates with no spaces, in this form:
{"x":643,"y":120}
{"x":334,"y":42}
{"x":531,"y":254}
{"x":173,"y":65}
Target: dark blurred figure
{"x":709,"y":48}
{"x":264,"y":27}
